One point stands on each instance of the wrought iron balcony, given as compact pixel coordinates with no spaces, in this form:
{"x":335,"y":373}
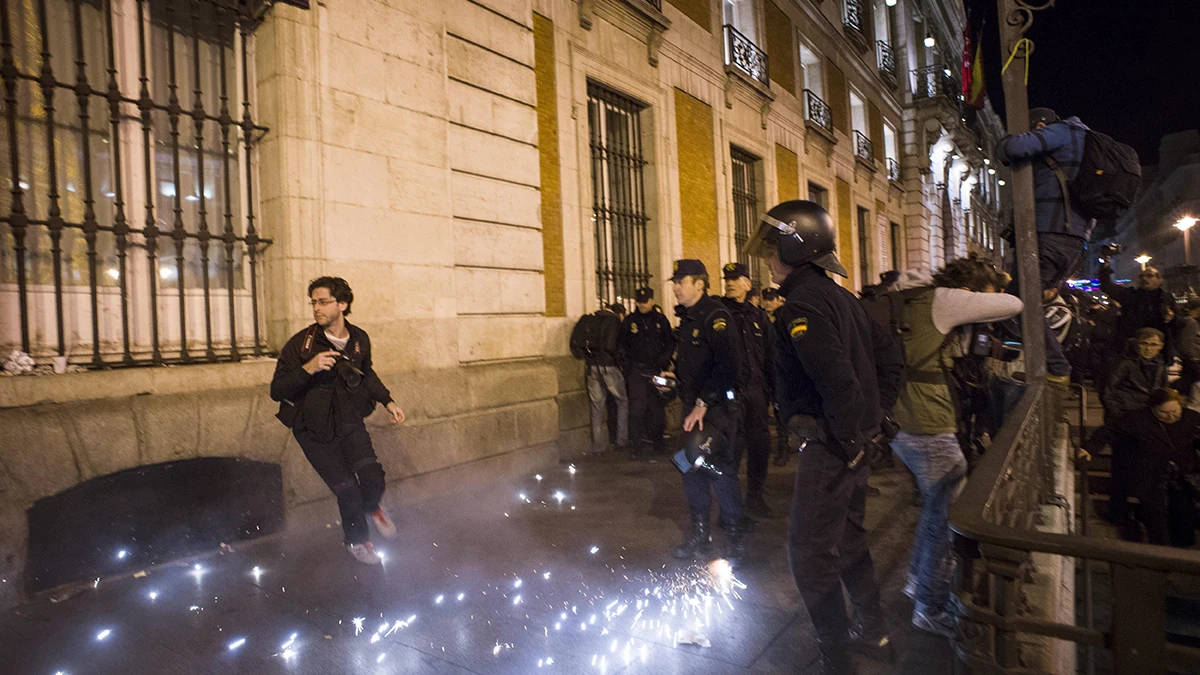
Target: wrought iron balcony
{"x":656,"y":4}
{"x":886,"y":58}
{"x":817,"y":111}
{"x":893,"y":168}
{"x":935,"y":81}
{"x":743,"y":54}
{"x":864,"y":149}
{"x":852,"y":15}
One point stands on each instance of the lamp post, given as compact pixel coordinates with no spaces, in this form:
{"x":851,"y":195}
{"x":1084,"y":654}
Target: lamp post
{"x":1185,"y":224}
{"x":1142,"y":260}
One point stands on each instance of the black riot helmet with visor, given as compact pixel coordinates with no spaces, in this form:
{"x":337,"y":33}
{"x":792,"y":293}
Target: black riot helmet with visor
{"x":801,"y":232}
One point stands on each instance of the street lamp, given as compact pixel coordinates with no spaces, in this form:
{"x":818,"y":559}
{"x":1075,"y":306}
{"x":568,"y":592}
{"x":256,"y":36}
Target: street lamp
{"x":1142,"y":260}
{"x":1185,"y":224}
{"x":929,"y":41}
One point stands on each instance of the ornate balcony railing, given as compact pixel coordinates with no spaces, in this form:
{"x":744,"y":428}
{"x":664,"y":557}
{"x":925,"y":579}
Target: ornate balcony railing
{"x":744,"y":55}
{"x":817,"y":111}
{"x":852,"y":15}
{"x":886,"y":58}
{"x":933,"y":82}
{"x":864,"y":149}
{"x":893,"y":168}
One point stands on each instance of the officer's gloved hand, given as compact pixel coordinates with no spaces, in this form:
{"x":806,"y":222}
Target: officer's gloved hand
{"x":887,"y":430}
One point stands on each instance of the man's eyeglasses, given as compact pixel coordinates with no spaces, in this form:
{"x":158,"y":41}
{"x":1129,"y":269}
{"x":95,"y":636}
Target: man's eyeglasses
{"x":324,"y":302}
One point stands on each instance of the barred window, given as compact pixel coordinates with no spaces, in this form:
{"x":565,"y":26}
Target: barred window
{"x":127,"y":200}
{"x":618,"y":194}
{"x":745,"y":207}
{"x":864,"y":246}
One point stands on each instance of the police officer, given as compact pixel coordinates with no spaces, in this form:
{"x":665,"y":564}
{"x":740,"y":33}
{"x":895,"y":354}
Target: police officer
{"x":646,"y":344}
{"x":837,"y":372}
{"x":755,"y":392}
{"x":707,"y":363}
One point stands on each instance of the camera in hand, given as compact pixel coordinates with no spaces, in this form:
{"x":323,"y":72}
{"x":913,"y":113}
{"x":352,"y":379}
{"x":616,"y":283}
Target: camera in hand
{"x":666,"y":382}
{"x":1109,"y":251}
{"x":345,"y":369}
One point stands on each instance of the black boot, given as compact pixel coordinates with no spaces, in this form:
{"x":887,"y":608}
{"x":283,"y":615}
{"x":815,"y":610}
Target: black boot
{"x":834,"y":659}
{"x":698,"y":540}
{"x":757,"y":506}
{"x":873,"y":643}
{"x":734,"y":537}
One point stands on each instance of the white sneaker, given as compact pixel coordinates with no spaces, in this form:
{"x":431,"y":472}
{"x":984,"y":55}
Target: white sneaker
{"x":910,"y":588}
{"x":938,"y":623}
{"x":365,"y":553}
{"x":384,"y":524}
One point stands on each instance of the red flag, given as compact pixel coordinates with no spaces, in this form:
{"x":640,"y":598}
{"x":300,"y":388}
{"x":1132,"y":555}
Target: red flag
{"x":973,"y":89}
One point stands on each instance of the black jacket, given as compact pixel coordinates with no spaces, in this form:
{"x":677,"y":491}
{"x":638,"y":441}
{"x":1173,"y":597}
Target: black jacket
{"x":647,"y":341}
{"x":832,"y":362}
{"x":1131,"y":384}
{"x":758,"y":341}
{"x":323,"y":400}
{"x":610,"y":331}
{"x":709,"y":357}
{"x":1140,"y":308}
{"x":1147,"y":446}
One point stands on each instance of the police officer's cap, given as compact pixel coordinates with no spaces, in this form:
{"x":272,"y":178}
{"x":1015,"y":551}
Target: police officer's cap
{"x":735,"y":270}
{"x":802,"y":232}
{"x":1043,"y":115}
{"x":688,"y":267}
{"x":770,"y":294}
{"x":644,"y":294}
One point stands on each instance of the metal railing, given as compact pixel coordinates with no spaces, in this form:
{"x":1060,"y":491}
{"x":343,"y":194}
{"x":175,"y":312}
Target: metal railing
{"x":852,"y":16}
{"x":893,"y":170}
{"x":886,"y":58}
{"x":743,"y":54}
{"x":150,"y":114}
{"x":864,"y":149}
{"x":817,"y":111}
{"x":995,"y":538}
{"x":934,"y":81}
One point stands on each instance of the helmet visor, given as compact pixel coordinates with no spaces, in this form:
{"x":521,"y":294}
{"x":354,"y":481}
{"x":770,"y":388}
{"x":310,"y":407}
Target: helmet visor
{"x":766,"y":238}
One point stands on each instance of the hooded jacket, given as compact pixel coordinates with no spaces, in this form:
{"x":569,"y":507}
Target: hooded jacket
{"x":1063,"y":141}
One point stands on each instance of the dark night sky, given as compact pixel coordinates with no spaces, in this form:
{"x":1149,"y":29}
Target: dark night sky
{"x":1127,"y":68}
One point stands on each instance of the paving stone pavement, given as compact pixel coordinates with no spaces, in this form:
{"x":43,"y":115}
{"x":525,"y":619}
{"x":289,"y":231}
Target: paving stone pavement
{"x":615,"y":610}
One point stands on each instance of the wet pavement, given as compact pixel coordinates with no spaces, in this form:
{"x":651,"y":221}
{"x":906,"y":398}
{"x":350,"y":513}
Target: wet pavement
{"x":507,"y":581}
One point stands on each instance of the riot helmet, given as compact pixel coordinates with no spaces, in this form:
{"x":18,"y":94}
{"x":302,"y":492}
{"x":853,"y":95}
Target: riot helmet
{"x":700,"y":447}
{"x":802,"y":232}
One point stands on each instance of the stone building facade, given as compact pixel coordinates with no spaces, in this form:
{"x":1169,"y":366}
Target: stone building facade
{"x":482,"y":172}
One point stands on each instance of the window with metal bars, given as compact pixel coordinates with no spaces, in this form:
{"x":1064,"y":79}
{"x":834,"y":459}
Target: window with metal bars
{"x":745,"y":206}
{"x":127,"y":195}
{"x":618,"y":194}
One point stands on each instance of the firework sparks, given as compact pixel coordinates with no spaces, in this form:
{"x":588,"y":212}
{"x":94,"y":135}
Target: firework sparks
{"x":571,"y":469}
{"x":438,"y":600}
{"x":358,"y":624}
{"x":103,"y":635}
{"x":559,"y":496}
{"x":237,"y":643}
{"x":461,"y":596}
{"x":538,"y":477}
{"x":121,"y":554}
{"x":257,"y":572}
{"x":381,"y":658}
{"x":153,"y":595}
{"x":594,"y":550}
{"x":288,"y":645}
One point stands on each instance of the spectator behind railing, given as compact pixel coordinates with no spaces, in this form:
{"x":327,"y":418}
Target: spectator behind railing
{"x":1138,"y":375}
{"x":1154,"y":459}
{"x":1146,"y":305}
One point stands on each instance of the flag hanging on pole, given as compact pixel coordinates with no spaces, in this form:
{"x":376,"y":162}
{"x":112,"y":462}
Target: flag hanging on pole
{"x":973,"y":89}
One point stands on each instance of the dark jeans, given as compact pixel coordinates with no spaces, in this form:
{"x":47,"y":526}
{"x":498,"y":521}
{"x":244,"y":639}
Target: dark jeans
{"x":756,"y":441}
{"x":607,"y":383}
{"x":1059,"y":258}
{"x":827,"y":544}
{"x":647,"y":418}
{"x":349,"y":467}
{"x":698,"y":486}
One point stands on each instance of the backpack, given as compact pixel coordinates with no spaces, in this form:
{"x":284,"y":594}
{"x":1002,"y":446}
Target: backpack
{"x":888,"y":310}
{"x":1108,"y":179}
{"x":587,"y":338}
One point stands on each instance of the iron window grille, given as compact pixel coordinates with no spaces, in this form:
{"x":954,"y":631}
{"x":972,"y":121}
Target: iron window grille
{"x":934,"y":81}
{"x":105,"y":134}
{"x":886,"y":58}
{"x":817,"y":111}
{"x":852,"y":16}
{"x":864,"y":149}
{"x":893,"y":170}
{"x":745,"y":206}
{"x":743,"y":54}
{"x":894,"y":231}
{"x":618,"y":194}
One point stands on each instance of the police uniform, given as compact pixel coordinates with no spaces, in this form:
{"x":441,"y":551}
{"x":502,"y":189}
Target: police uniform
{"x":836,"y":373}
{"x":646,"y":344}
{"x":755,"y":392}
{"x":708,"y":359}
